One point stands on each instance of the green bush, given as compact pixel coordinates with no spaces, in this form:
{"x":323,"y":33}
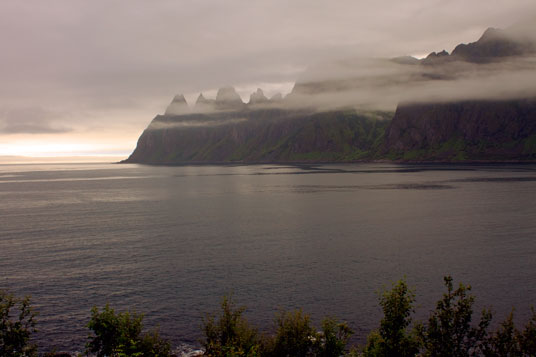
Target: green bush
{"x":121,"y":335}
{"x":527,"y":336}
{"x":393,"y":338}
{"x":449,"y":331}
{"x":507,"y":340}
{"x":333,"y":338}
{"x":295,"y":336}
{"x":230,"y":334}
{"x":17,"y":323}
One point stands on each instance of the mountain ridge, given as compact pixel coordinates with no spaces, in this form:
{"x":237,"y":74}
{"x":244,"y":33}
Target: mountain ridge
{"x":227,"y":130}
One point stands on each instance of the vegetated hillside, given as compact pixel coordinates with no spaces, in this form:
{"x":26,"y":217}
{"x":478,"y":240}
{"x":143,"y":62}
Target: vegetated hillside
{"x":472,"y":130}
{"x":264,"y":135}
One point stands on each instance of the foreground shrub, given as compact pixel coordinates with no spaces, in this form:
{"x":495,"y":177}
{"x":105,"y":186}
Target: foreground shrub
{"x":229,"y":334}
{"x":121,"y":335}
{"x":17,"y":323}
{"x":333,"y":338}
{"x":507,"y":340}
{"x":449,"y":331}
{"x":295,"y":335}
{"x":393,"y":338}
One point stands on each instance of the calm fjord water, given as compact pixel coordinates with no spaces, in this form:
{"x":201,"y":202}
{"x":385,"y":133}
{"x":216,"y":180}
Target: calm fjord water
{"x":171,"y":241}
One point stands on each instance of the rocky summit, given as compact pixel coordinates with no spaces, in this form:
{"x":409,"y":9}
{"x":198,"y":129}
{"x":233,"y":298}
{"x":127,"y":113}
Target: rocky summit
{"x":258,"y":97}
{"x":177,"y":106}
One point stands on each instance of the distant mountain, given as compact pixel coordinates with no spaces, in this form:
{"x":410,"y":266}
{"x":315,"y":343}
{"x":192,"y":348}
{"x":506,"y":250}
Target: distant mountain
{"x":177,"y":106}
{"x":296,"y":129}
{"x":266,"y":134}
{"x":494,"y":45}
{"x":483,"y":130}
{"x":258,"y":97}
{"x":472,"y":130}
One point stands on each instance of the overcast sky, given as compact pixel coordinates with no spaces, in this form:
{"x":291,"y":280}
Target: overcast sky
{"x":86,"y":77}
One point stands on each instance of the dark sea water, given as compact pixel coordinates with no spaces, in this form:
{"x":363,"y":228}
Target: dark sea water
{"x":171,"y":241}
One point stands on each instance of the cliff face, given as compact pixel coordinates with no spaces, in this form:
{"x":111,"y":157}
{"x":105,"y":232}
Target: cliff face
{"x":268,"y":135}
{"x":473,"y":130}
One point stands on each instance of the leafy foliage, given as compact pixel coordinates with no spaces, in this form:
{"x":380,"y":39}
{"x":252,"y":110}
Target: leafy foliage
{"x":230,"y":334}
{"x":527,"y":336}
{"x":295,"y":335}
{"x":509,"y":341}
{"x":121,"y":335}
{"x":17,"y":323}
{"x":393,"y":337}
{"x":332,"y":340}
{"x":449,"y":331}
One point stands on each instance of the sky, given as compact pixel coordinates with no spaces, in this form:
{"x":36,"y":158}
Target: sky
{"x":86,"y":77}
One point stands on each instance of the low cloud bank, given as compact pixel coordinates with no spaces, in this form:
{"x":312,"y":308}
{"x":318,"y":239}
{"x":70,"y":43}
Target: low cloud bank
{"x":30,"y":120}
{"x":160,"y":125}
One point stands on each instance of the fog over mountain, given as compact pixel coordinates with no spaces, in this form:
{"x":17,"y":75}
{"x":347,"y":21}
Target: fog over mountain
{"x":500,"y":65}
{"x":476,"y":103}
{"x":83,"y":83}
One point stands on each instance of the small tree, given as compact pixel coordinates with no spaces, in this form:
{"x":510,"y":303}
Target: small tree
{"x":295,"y":336}
{"x":507,"y":340}
{"x":121,"y":335}
{"x":449,"y":331}
{"x":230,"y":334}
{"x":393,"y":337}
{"x":17,"y":323}
{"x":332,"y":340}
{"x":527,"y":336}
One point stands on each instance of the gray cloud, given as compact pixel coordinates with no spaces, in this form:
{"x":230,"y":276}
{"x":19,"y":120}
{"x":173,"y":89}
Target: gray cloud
{"x":29,"y":120}
{"x":101,"y":58}
{"x":382,"y":84}
{"x":158,"y":125}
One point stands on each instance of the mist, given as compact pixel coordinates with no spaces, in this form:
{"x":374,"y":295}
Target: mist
{"x":110,"y":80}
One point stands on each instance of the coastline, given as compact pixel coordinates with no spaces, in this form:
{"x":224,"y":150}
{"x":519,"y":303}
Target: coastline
{"x":308,"y":163}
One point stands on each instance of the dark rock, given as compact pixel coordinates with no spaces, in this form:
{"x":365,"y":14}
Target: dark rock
{"x":477,"y":130}
{"x":257,"y":97}
{"x":264,"y":135}
{"x":228,"y":98}
{"x":177,"y":106}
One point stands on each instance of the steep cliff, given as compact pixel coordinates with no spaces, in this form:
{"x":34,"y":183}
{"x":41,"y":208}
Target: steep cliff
{"x":488,"y":130}
{"x":472,"y":130}
{"x":264,"y":135}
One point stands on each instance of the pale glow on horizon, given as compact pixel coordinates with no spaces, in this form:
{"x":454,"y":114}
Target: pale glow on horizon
{"x":420,"y":55}
{"x":53,"y":148}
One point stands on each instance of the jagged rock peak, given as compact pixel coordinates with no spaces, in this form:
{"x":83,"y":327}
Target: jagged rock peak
{"x":257,"y":97}
{"x":436,"y":58}
{"x":495,"y":44}
{"x":179,"y":98}
{"x":438,"y":54}
{"x":228,"y":95}
{"x":202,"y":100}
{"x":491,"y":34}
{"x":177,"y":106}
